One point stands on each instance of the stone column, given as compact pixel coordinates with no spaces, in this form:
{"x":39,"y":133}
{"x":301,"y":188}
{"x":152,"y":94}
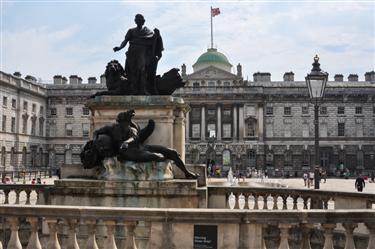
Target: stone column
{"x":328,"y":234}
{"x":235,"y":131}
{"x":91,"y":240}
{"x":72,"y":240}
{"x":218,"y":135}
{"x":34,"y":242}
{"x":110,"y":242}
{"x":260,"y":122}
{"x":306,"y":228}
{"x":14,"y":241}
{"x":130,"y":235}
{"x":179,"y":133}
{"x":241,"y":130}
{"x":251,"y":236}
{"x":203,"y":123}
{"x":187,"y":126}
{"x":53,"y":242}
{"x":371,"y":239}
{"x":284,"y":234}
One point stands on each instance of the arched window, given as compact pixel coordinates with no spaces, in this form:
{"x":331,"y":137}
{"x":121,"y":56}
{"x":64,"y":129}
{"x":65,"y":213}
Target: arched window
{"x":226,"y":158}
{"x":24,"y":156}
{"x":68,"y":156}
{"x":13,"y":160}
{"x":3,"y":156}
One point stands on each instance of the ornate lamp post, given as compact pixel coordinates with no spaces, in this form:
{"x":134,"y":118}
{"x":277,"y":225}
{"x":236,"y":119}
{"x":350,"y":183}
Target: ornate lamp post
{"x":316,"y":82}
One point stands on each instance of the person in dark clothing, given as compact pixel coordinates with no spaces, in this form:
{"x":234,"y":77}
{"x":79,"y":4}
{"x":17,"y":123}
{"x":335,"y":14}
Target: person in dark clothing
{"x":372,"y":177}
{"x":359,"y":183}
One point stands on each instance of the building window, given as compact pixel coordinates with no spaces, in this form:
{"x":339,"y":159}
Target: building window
{"x":250,"y":111}
{"x":52,"y":130}
{"x":41,"y":110}
{"x":269,"y":110}
{"x":14,"y":103}
{"x":323,"y":110}
{"x":287,"y":110}
{"x":41,"y":126}
{"x":13,"y":157}
{"x":33,"y":124}
{"x":85,"y":130}
{"x":196,"y":112}
{"x":211,"y":84}
{"x":52,"y":111}
{"x":211,"y":112}
{"x":24,"y":124}
{"x":341,"y":129}
{"x":196,"y":84}
{"x":195,"y":130}
{"x":211,"y":130}
{"x":5,"y":101}
{"x":341,"y":110}
{"x":227,"y":130}
{"x":85,"y":111}
{"x":269,"y":159}
{"x":226,"y":157}
{"x":33,"y":108}
{"x":69,"y":130}
{"x":373,"y":110}
{"x":288,"y":158}
{"x":69,"y":111}
{"x":358,"y":110}
{"x":4,"y":123}
{"x":3,"y":156}
{"x":305,"y":158}
{"x":305,"y":110}
{"x":360,"y":159}
{"x":25,"y":105}
{"x":227,"y":113}
{"x":251,"y":127}
{"x":13,"y":125}
{"x":305,"y":130}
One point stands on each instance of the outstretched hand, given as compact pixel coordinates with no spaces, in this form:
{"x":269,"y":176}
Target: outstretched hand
{"x":115,"y":49}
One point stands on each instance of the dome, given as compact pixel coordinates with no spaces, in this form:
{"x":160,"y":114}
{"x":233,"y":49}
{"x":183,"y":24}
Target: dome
{"x":212,"y":58}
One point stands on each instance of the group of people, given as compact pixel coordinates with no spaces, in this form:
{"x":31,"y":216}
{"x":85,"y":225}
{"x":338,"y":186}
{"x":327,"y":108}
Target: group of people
{"x":308,"y":177}
{"x":213,"y":169}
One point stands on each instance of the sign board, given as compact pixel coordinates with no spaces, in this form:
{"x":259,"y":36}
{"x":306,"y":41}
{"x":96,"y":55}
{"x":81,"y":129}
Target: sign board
{"x":205,"y":237}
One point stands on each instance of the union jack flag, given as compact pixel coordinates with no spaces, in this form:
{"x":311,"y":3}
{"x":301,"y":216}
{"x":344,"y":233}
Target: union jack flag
{"x":215,"y":11}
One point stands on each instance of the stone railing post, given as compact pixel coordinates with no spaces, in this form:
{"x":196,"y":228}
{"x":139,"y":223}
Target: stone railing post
{"x":130,"y":235}
{"x":17,"y":192}
{"x":371,"y":239}
{"x":110,"y":243}
{"x":72,"y":240}
{"x":275,"y":207}
{"x":256,"y":206}
{"x":91,"y":241}
{"x":284,"y":234}
{"x":265,"y":202}
{"x":6,"y":194}
{"x":34,"y":242}
{"x":28,"y":192}
{"x":349,"y":228}
{"x":295,"y":200}
{"x":285,"y":199}
{"x":53,"y":242}
{"x":306,"y":229}
{"x":14,"y":241}
{"x":1,"y":245}
{"x":328,"y":234}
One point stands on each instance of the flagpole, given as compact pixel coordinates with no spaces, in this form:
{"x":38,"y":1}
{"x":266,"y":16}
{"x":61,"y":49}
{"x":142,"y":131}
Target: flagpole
{"x":212,"y":37}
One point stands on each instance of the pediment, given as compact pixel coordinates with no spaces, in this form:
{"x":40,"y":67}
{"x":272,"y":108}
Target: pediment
{"x":212,"y":72}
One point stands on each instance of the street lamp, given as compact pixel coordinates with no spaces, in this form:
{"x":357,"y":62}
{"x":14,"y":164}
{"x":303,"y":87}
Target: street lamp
{"x":316,"y":83}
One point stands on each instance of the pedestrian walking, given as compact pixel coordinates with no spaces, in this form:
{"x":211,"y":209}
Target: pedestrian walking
{"x":305,"y":178}
{"x":372,"y":177}
{"x":311,"y":179}
{"x":359,"y":183}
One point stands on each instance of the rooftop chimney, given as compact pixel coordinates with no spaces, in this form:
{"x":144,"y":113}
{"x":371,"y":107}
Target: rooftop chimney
{"x":353,"y":77}
{"x":91,"y":80}
{"x":262,"y":77}
{"x":64,"y":80}
{"x":17,"y":74}
{"x":288,"y":76}
{"x":239,"y":70}
{"x":73,"y":80}
{"x":30,"y":78}
{"x":183,"y":70}
{"x":57,"y":80}
{"x":339,"y":77}
{"x":370,"y":76}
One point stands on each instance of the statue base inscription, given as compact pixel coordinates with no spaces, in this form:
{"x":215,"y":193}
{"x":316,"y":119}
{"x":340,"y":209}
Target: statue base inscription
{"x":132,"y":171}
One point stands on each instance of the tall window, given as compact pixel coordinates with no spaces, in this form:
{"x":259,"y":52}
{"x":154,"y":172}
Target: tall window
{"x":227,"y":113}
{"x":13,"y":158}
{"x":52,"y":111}
{"x":360,"y":159}
{"x":24,"y":156}
{"x":195,"y":130}
{"x":33,"y":108}
{"x":211,"y":130}
{"x":323,"y":110}
{"x":226,"y":157}
{"x":287,"y":110}
{"x":341,"y":129}
{"x":24,"y":123}
{"x":5,"y":101}
{"x":68,"y":157}
{"x":4,"y":123}
{"x":41,"y":110}
{"x":269,"y":159}
{"x":41,"y":126}
{"x":323,"y":130}
{"x":227,"y":130}
{"x":288,"y":158}
{"x":85,"y":111}
{"x":251,"y":127}
{"x":14,"y":103}
{"x":69,"y":111}
{"x":211,"y":112}
{"x":3,"y":156}
{"x":13,"y":125}
{"x":305,"y":110}
{"x":33,"y":124}
{"x":52,"y":130}
{"x":252,"y":158}
{"x":85,"y":130}
{"x":68,"y":130}
{"x":305,"y":158}
{"x":25,"y":105}
{"x":358,"y":110}
{"x":341,"y":110}
{"x":269,"y":110}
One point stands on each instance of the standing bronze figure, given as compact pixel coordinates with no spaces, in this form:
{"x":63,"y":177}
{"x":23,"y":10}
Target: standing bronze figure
{"x":144,"y":52}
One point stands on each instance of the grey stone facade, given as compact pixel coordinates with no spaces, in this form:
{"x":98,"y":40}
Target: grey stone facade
{"x":240,"y":123}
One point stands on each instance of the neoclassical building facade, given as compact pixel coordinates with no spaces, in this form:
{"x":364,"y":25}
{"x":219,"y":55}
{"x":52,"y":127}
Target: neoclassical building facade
{"x":238,"y":123}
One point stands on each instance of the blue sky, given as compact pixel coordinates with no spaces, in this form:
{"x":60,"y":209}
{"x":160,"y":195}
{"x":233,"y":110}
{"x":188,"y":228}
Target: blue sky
{"x":45,"y":38}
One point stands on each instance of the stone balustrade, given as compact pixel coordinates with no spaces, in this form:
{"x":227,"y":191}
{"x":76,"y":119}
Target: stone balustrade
{"x":94,"y":227}
{"x":287,"y":198}
{"x":24,"y":194}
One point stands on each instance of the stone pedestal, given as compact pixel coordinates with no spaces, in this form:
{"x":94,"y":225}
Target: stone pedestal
{"x":168,"y":113}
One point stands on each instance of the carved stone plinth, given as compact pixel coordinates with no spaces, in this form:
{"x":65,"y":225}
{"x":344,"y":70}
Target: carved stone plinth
{"x":132,"y":171}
